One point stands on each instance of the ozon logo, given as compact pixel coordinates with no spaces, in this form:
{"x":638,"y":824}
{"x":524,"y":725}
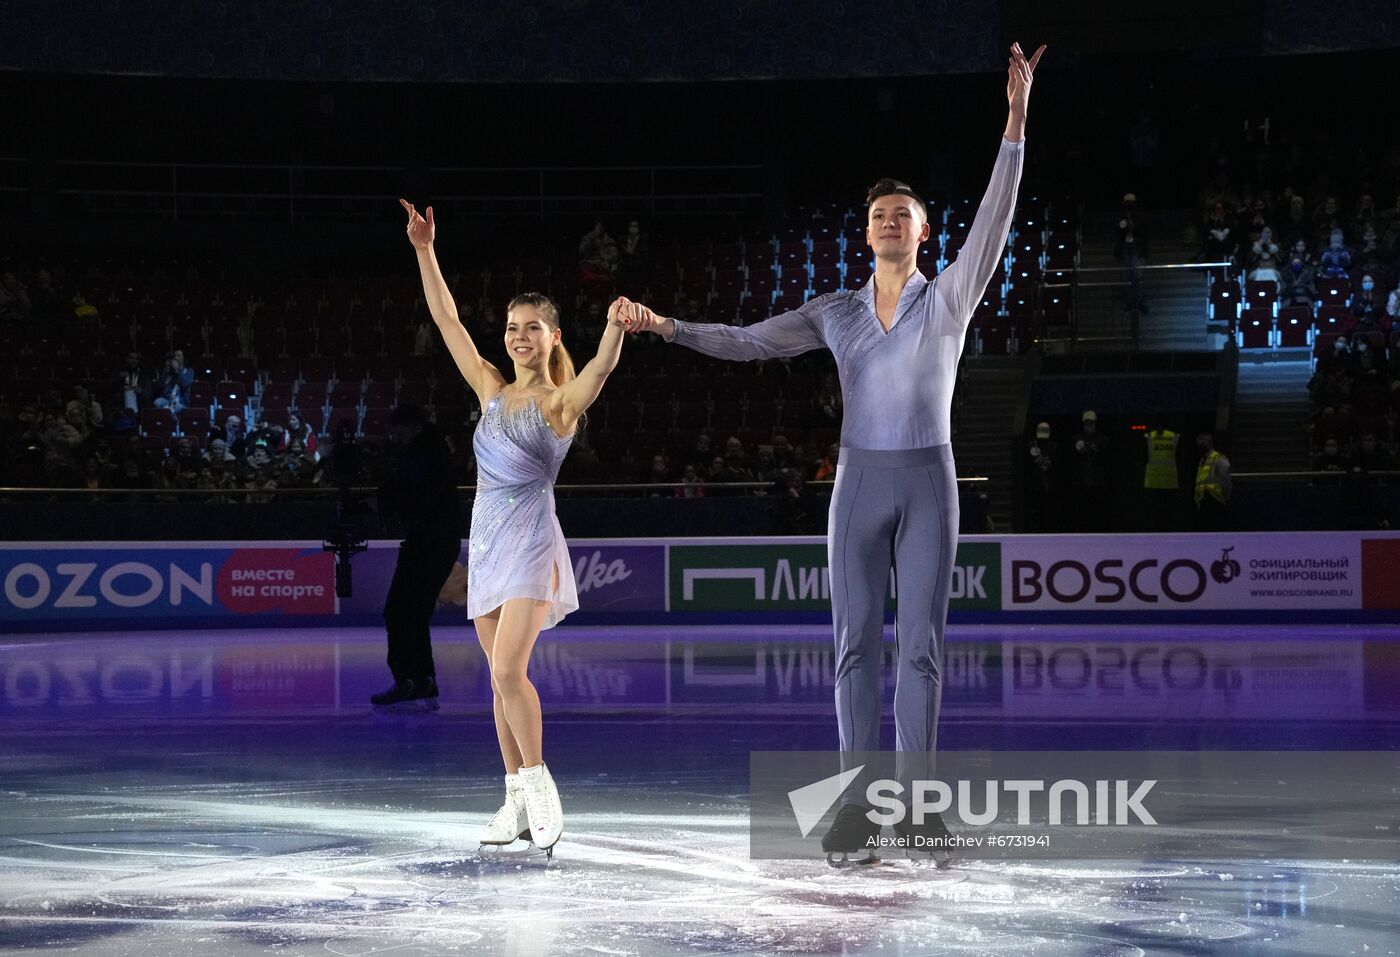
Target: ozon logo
{"x":124,"y":585}
{"x":1109,"y":581}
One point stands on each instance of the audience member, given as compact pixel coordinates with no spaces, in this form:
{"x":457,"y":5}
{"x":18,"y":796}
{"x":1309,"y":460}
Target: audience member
{"x":1334,"y":261}
{"x":1088,"y":476}
{"x":1367,"y":307}
{"x":692,"y":485}
{"x":1042,"y":481}
{"x":172,"y":389}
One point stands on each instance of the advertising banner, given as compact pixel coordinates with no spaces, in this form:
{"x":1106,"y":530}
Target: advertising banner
{"x":95,"y":584}
{"x":61,"y":586}
{"x":792,"y":575}
{"x":1261,"y":571}
{"x":1334,"y":576}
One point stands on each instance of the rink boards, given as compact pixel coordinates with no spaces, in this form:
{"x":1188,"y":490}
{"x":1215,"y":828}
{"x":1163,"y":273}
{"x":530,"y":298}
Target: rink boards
{"x":1261,"y":577}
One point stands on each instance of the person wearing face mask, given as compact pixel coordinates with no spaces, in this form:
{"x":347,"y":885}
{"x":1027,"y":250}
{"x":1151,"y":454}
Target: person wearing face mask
{"x":897,"y":341}
{"x":1298,"y":287}
{"x":1392,"y":309}
{"x":1366,"y":306}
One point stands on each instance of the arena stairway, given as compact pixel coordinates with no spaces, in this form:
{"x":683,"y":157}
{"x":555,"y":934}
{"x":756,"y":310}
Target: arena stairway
{"x":1176,"y":299}
{"x":989,"y":396}
{"x":1271,"y":407}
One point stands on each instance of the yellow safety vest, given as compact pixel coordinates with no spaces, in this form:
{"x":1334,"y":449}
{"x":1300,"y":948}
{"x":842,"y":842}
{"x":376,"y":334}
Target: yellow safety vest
{"x":1205,"y":485}
{"x":1161,"y":461}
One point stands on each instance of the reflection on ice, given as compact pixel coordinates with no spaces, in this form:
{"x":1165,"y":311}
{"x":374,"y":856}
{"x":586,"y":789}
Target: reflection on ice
{"x":229,"y":793}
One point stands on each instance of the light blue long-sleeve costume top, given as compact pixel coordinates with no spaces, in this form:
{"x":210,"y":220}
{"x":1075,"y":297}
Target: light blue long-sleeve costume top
{"x":897,"y":386}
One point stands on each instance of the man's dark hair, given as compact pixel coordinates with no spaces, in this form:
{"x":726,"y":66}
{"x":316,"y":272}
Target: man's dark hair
{"x":408,"y":414}
{"x":893,"y":187}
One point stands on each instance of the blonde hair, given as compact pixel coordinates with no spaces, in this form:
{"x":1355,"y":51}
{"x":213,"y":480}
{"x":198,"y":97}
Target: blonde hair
{"x":561,"y":364}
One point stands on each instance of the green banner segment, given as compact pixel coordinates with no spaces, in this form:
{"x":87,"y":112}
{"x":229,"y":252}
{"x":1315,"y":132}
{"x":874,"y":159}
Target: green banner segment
{"x":795,"y":577}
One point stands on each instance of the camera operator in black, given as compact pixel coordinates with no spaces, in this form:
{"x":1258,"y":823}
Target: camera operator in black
{"x":422,"y":494}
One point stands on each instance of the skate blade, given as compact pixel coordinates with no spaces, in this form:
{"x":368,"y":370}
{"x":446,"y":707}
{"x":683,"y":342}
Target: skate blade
{"x":938,"y":859}
{"x":416,"y":706}
{"x":514,"y":854}
{"x":547,"y":851}
{"x":522,"y":836}
{"x":843,"y":859}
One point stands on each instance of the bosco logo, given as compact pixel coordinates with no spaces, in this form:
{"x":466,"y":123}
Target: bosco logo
{"x":1107,"y":582}
{"x":1225,"y":569}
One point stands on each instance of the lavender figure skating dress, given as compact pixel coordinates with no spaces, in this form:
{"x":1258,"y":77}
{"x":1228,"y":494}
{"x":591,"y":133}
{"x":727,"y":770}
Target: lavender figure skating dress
{"x":516,"y":542}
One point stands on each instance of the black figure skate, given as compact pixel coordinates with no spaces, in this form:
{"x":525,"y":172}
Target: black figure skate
{"x":851,"y":834}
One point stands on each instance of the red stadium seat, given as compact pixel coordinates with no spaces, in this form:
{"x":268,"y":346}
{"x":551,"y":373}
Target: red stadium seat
{"x":383,"y":369}
{"x":240,"y":370}
{"x":320,"y":368}
{"x":351,"y":368}
{"x":762,"y":281}
{"x":1295,"y":326}
{"x":623,"y":414}
{"x":283,"y":368}
{"x":194,"y":421}
{"x":231,"y":394}
{"x":378,"y":393}
{"x":1225,"y":301}
{"x":1256,"y":329}
{"x":415,"y":368}
{"x":826,"y":255}
{"x":755,"y":309}
{"x":791,"y":254}
{"x":692,"y":414}
{"x":277,"y":397}
{"x":345,"y":393}
{"x":825,"y":281}
{"x":375,"y":421}
{"x":727,"y":257}
{"x":1260,"y":293}
{"x":1334,"y":319}
{"x":335,"y":417}
{"x":158,"y":423}
{"x":759,"y":254}
{"x":1334,"y":291}
{"x":312,"y":394}
{"x":414,"y":391}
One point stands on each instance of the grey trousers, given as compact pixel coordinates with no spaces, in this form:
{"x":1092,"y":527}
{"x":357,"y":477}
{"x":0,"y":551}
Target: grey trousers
{"x":891,"y":509}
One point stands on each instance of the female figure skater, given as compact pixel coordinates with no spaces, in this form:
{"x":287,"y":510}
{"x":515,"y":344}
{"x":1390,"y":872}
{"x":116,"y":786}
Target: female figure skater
{"x":520,"y":579}
{"x":897,"y":341}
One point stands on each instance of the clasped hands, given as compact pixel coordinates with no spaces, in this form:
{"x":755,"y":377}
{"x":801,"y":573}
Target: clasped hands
{"x":632,"y":316}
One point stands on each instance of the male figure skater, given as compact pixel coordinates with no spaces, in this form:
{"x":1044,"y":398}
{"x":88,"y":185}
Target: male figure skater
{"x":422,"y":494}
{"x":897,"y":342}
